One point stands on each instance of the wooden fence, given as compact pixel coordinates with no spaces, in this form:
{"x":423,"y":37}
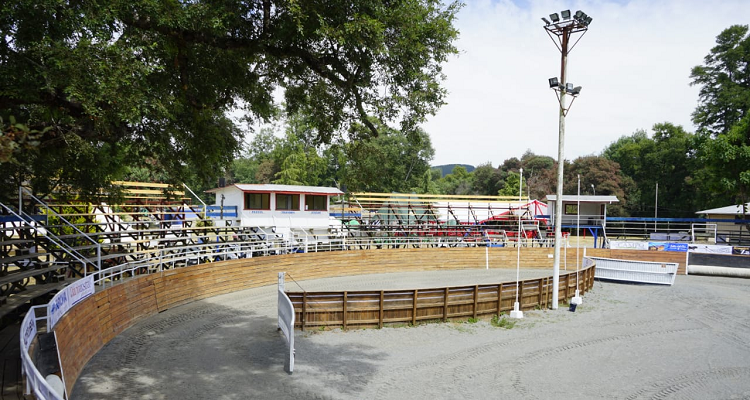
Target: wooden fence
{"x":377,"y":308}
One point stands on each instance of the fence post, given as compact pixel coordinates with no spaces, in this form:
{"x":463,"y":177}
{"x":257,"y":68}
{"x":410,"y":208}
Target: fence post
{"x":345,"y":300}
{"x":476,"y":299}
{"x":380,"y":319}
{"x":520,"y":295}
{"x":304,"y":310}
{"x":499,"y":298}
{"x":445,"y":306}
{"x":414,"y":308}
{"x":541,"y":292}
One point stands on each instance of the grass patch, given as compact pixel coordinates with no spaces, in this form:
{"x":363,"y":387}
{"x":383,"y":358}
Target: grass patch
{"x":501,"y":321}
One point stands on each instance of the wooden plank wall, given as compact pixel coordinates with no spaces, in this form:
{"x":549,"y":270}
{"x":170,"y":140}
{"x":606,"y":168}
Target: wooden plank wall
{"x":96,"y":320}
{"x":410,"y":306}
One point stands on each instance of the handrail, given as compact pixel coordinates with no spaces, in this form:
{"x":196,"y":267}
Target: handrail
{"x":205,"y":207}
{"x":98,"y":245}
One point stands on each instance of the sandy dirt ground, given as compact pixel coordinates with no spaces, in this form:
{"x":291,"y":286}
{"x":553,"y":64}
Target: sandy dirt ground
{"x":626,"y":341}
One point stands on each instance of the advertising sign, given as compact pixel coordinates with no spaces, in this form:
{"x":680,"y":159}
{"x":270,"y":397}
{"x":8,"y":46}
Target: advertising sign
{"x":28,"y":330}
{"x":710,"y":249}
{"x":627,"y":245}
{"x":667,"y":246}
{"x":68,"y":297}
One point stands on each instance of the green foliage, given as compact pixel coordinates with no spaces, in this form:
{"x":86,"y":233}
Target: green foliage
{"x":98,"y":87}
{"x":724,"y":79}
{"x":727,"y":163}
{"x":390,"y":162}
{"x":513,"y":185}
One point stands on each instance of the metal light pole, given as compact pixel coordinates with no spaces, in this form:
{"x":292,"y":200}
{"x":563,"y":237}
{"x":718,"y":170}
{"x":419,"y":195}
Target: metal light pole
{"x":563,"y":28}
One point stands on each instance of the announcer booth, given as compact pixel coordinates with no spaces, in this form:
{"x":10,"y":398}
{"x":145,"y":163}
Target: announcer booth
{"x":279,"y":206}
{"x":588,"y":213}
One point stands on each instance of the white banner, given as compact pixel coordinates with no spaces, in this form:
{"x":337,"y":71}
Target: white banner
{"x":710,"y":249}
{"x":28,"y":330}
{"x":627,"y":245}
{"x":67,"y":298}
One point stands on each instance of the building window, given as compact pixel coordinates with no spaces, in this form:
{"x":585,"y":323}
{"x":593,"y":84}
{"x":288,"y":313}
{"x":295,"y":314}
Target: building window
{"x":257,"y":201}
{"x":316,"y":203}
{"x":571,"y":209}
{"x":289,"y":202}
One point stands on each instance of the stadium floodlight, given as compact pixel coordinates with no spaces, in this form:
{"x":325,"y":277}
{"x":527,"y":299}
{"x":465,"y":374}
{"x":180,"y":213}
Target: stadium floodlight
{"x":561,"y":33}
{"x":546,"y":21}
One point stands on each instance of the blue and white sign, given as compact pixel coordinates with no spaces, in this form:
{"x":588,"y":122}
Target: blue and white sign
{"x":67,"y":298}
{"x":28,"y":330}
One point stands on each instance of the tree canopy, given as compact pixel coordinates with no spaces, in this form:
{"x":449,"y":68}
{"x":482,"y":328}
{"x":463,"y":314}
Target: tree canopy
{"x":88,"y":88}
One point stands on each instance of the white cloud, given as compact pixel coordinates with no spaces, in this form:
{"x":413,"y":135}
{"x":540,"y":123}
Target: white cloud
{"x":634,"y":65}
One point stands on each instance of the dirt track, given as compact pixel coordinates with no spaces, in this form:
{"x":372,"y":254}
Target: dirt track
{"x":691,"y":340}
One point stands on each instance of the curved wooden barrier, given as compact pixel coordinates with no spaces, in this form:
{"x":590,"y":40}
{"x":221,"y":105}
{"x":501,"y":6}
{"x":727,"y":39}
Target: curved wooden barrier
{"x":87,"y":327}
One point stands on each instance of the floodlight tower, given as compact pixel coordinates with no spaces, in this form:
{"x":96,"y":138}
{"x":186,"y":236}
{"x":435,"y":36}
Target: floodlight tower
{"x":563,"y":28}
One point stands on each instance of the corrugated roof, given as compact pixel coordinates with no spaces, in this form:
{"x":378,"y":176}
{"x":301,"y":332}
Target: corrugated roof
{"x":585,"y":199}
{"x":728,"y":210}
{"x":245,"y":187}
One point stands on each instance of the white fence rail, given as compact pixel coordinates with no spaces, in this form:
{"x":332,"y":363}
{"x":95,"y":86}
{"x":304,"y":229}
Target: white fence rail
{"x":286,"y":324}
{"x":635,"y":271}
{"x":35,"y":382}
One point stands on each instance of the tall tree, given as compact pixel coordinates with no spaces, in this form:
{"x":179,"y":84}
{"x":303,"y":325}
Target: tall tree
{"x":667,"y":159}
{"x":93,"y":86}
{"x":722,"y":115}
{"x":724,"y":82}
{"x":391,"y":162}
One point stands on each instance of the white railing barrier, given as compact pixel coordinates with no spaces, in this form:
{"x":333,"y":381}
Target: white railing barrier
{"x":660,"y":273}
{"x":286,"y":324}
{"x":35,"y":382}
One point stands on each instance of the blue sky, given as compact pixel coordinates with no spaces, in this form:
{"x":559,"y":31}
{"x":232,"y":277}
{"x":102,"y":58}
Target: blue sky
{"x":634,"y":66}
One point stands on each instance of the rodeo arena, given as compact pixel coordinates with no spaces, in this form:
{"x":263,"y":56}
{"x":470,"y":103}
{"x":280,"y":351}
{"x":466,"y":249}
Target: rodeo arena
{"x":296,"y":292}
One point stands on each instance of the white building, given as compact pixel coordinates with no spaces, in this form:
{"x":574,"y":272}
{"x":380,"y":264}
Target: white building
{"x":592,"y":213}
{"x":279,"y":206}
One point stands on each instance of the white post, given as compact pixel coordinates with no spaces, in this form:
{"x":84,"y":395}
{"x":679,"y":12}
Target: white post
{"x":577,"y":298}
{"x":517,"y":313}
{"x":656,"y":205}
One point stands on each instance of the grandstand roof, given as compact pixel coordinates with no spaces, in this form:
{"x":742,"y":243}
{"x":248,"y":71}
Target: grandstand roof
{"x":585,"y":199}
{"x":281,"y":189}
{"x":728,"y":210}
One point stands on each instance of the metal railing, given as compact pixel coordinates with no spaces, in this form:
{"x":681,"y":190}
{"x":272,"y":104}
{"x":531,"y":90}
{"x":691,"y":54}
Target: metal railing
{"x":661,"y":273}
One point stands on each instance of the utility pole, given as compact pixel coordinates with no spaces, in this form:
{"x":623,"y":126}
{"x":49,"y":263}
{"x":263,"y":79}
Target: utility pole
{"x":561,"y":29}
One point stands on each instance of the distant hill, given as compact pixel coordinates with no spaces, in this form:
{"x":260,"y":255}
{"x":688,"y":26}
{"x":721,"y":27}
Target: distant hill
{"x":448,"y":168}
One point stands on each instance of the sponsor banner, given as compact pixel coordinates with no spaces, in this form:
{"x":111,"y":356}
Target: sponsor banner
{"x":667,"y":246}
{"x":28,"y":330}
{"x":68,"y":297}
{"x":741,"y":250}
{"x":710,"y":249}
{"x":627,"y":245}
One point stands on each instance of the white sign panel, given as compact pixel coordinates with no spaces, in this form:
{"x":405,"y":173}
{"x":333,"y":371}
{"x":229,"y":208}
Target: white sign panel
{"x":627,"y":245}
{"x":710,"y":249}
{"x":68,"y":297}
{"x":28,"y":330}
